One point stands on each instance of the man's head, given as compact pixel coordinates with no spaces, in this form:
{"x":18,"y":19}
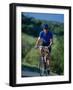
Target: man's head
{"x":45,"y":28}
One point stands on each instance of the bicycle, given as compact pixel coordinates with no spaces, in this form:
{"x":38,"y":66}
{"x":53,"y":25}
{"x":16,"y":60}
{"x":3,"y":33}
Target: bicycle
{"x":45,"y":56}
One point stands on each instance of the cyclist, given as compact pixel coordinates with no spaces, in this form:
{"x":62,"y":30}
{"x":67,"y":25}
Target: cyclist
{"x":47,"y":39}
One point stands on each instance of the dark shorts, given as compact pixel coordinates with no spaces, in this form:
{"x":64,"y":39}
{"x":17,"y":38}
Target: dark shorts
{"x":45,"y":44}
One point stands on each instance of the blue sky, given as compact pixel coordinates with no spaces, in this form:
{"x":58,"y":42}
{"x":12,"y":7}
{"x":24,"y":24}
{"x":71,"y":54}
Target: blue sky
{"x":46,"y":16}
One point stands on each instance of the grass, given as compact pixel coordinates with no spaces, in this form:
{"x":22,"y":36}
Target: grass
{"x":32,"y":57}
{"x":28,"y":39}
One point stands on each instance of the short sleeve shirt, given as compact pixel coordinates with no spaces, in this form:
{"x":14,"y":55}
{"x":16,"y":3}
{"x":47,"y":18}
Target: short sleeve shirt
{"x":46,"y":36}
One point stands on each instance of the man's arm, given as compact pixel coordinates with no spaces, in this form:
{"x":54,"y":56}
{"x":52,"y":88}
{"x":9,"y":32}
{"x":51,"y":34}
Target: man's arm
{"x":51,"y":42}
{"x":51,"y":39}
{"x":38,"y":41}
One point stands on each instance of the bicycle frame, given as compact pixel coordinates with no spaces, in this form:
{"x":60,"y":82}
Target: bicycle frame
{"x":43,"y":62}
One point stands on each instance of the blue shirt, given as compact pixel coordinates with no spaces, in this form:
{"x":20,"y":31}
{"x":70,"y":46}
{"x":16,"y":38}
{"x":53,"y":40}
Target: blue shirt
{"x":46,"y":36}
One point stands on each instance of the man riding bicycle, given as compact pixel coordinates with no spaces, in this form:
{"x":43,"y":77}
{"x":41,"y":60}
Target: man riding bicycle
{"x":47,"y":39}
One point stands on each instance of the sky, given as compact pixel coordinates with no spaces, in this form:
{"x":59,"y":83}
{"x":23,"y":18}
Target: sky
{"x":46,"y":16}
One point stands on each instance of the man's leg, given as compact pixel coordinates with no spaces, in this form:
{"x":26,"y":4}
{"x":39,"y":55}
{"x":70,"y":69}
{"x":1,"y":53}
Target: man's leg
{"x":48,"y":63}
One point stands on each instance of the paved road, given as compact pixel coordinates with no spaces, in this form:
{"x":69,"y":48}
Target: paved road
{"x":31,"y":72}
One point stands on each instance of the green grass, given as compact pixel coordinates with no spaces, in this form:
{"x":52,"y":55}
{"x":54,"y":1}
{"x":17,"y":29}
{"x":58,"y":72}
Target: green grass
{"x":57,"y":55}
{"x":28,"y":39}
{"x":28,"y":42}
{"x":32,"y":57}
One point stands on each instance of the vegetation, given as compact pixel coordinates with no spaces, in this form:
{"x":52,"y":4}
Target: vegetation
{"x":30,"y":31}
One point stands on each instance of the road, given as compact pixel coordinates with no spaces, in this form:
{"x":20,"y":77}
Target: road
{"x":31,"y":72}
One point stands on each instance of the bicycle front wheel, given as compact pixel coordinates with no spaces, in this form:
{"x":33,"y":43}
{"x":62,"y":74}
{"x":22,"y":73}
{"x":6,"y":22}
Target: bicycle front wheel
{"x":41,"y":66}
